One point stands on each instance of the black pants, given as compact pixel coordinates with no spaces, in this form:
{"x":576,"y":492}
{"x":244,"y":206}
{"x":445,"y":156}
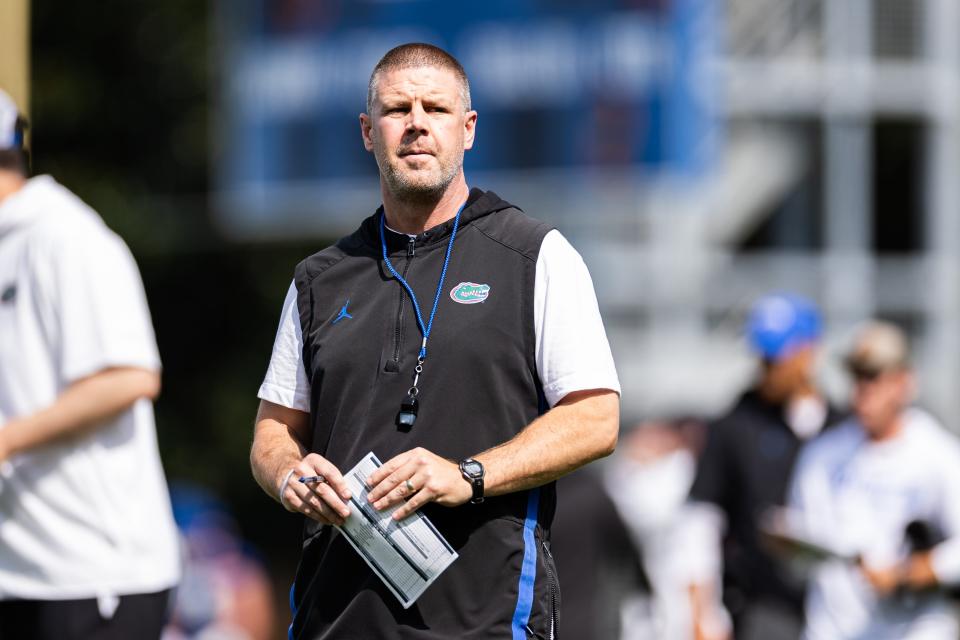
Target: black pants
{"x":139,"y":616}
{"x":768,"y":620}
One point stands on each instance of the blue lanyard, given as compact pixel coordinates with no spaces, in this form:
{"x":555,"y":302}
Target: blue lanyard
{"x":425,"y":330}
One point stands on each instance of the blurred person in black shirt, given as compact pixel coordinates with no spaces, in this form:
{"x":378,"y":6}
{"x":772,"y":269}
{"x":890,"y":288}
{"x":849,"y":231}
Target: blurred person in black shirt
{"x":745,"y":470}
{"x":617,"y":539}
{"x":598,"y":565}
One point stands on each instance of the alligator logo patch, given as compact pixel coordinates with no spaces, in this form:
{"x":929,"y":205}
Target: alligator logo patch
{"x":470,"y":293}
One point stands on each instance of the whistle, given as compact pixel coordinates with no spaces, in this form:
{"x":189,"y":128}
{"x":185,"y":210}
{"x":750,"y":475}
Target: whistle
{"x":408,"y":412}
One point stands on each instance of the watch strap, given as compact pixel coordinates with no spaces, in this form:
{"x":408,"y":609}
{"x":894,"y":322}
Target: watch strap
{"x":475,"y":480}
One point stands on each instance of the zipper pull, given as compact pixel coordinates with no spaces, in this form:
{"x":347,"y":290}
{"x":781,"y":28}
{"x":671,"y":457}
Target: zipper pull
{"x":410,"y":244}
{"x":546,"y":548}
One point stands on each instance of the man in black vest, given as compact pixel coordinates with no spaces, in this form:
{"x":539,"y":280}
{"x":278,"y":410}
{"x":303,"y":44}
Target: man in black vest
{"x":460,"y":341}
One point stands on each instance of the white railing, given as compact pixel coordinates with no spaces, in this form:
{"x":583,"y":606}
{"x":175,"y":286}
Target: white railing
{"x":673,"y":290}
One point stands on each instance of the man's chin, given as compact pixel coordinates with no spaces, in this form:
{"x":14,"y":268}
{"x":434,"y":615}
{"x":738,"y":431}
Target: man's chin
{"x":420,"y":196}
{"x":418,"y":191}
{"x":409,"y":187}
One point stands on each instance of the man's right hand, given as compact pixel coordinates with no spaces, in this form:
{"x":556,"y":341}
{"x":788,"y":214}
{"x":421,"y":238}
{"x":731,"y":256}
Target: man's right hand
{"x":710,"y":621}
{"x":279,"y":453}
{"x":326,"y":502}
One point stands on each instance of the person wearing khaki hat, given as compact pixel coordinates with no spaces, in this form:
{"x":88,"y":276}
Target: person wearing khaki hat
{"x":884,"y":384}
{"x":881,"y":493}
{"x":88,"y":546}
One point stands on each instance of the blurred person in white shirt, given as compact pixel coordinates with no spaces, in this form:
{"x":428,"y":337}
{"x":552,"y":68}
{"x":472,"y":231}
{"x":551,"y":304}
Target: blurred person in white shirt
{"x":88,"y":546}
{"x":881,"y":494}
{"x":648,"y":481}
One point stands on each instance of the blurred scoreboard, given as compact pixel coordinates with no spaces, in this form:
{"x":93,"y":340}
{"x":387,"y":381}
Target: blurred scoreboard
{"x":564,"y":87}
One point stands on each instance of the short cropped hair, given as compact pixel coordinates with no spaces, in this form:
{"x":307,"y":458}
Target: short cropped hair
{"x":419,"y":54}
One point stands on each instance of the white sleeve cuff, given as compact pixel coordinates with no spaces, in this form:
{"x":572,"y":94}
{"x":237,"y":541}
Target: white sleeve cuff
{"x":84,"y":366}
{"x":284,"y":397}
{"x":556,"y":391}
{"x":945,"y":560}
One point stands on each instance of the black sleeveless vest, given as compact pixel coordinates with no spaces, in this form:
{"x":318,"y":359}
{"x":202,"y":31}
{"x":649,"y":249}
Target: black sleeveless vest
{"x":479,"y":389}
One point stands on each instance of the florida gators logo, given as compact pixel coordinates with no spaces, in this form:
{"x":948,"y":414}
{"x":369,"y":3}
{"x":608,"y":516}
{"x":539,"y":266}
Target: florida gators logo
{"x":470,"y":293}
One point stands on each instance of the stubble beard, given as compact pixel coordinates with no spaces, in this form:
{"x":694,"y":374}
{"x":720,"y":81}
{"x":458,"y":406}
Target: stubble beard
{"x":417,"y":187}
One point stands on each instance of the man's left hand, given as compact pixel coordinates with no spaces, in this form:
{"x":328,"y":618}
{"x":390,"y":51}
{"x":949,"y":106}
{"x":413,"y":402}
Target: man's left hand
{"x":417,"y":477}
{"x":884,"y":580}
{"x":915,"y":573}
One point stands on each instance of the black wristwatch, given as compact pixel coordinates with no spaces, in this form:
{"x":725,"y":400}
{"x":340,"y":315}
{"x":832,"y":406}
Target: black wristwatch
{"x":472,"y":472}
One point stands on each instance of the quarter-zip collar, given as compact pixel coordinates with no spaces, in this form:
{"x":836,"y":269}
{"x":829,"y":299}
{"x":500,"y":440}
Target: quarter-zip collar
{"x":479,"y":204}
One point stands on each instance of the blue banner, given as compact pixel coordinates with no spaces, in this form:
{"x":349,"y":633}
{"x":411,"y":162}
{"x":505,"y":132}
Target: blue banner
{"x":559,"y":85}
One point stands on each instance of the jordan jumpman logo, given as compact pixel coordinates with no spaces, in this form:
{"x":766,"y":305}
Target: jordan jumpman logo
{"x":343,"y":313}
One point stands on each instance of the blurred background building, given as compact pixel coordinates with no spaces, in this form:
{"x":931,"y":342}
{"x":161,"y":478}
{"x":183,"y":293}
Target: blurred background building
{"x":699,"y":153}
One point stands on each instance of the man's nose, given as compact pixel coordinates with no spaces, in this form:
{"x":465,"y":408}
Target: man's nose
{"x":417,"y":119}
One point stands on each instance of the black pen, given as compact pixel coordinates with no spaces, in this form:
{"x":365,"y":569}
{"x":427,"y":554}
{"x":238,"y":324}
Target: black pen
{"x":312,"y":479}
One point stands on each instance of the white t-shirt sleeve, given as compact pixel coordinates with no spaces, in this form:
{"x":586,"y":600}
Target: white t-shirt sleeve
{"x":572,"y":351}
{"x":102,"y":315}
{"x":945,"y":557}
{"x":286,"y":381}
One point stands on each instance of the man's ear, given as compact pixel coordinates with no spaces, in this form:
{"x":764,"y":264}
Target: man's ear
{"x":470,"y":129}
{"x":366,"y":131}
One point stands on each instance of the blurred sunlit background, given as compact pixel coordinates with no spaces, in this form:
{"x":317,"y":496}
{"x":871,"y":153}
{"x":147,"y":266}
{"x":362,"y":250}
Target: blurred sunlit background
{"x":699,"y":153}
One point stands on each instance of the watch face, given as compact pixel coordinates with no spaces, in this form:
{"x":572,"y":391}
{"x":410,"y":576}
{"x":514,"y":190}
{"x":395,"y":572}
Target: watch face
{"x":473,"y":468}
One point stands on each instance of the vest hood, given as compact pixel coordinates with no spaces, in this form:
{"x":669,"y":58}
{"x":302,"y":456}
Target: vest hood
{"x":480,"y":203}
